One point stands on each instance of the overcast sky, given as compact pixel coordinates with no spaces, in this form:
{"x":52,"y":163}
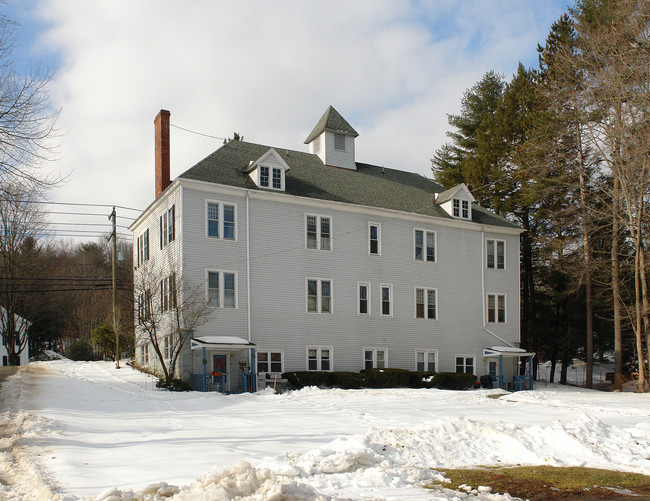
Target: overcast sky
{"x":268,"y":70}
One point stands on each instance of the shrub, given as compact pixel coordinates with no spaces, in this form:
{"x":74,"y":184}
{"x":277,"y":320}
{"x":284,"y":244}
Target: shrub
{"x":453,"y":381}
{"x":422,"y":379}
{"x":347,"y":380}
{"x":174,"y":385}
{"x":80,"y":350}
{"x":387,"y":378}
{"x":307,"y":378}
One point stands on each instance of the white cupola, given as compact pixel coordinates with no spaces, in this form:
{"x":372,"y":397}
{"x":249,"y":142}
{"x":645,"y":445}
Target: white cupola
{"x":333,"y":140}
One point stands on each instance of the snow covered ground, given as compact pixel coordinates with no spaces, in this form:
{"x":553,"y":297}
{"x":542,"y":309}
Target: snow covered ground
{"x":76,"y":430}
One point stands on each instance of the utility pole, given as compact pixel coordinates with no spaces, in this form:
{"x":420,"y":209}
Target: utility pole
{"x":112,"y":218}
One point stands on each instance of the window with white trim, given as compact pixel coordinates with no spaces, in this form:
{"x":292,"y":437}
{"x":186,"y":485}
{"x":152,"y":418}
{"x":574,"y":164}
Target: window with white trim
{"x":319,"y":358}
{"x":168,"y":293}
{"x":277,"y":178}
{"x":339,"y":142}
{"x":461,"y":208}
{"x":144,"y":354}
{"x":496,"y":308}
{"x":425,"y":245}
{"x":496,"y":254}
{"x":222,"y":289}
{"x":271,"y":177}
{"x":143,"y":247}
{"x":319,"y":295}
{"x":270,"y":361}
{"x":264,"y":176}
{"x":166,"y":348}
{"x":386,"y":300}
{"x":374,"y":239}
{"x":465,"y":364}
{"x":426,"y":303}
{"x":426,"y":360}
{"x":375,"y":358}
{"x":144,"y":306}
{"x":319,"y":232}
{"x":363,"y":290}
{"x":168,"y":227}
{"x":220,"y":220}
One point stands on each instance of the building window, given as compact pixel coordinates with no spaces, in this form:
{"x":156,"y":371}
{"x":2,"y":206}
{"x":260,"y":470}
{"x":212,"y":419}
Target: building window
{"x":220,"y":219}
{"x":319,"y":358}
{"x":264,"y":176}
{"x":339,"y":142}
{"x":374,"y":235}
{"x":319,"y":296}
{"x":319,"y":234}
{"x":374,"y":358}
{"x":426,"y":360}
{"x":425,"y":303}
{"x":168,"y":227}
{"x":465,"y":206}
{"x":492,"y":369}
{"x":386,"y":300}
{"x":166,"y":348}
{"x":461,"y":208}
{"x":270,"y":361}
{"x":465,"y":364}
{"x":364,"y":299}
{"x":168,"y":293}
{"x":144,"y":354}
{"x":456,"y":203}
{"x":222,"y":290}
{"x":425,"y":245}
{"x":144,"y":306}
{"x":496,"y":254}
{"x":496,"y":308}
{"x":277,"y":179}
{"x":143,"y":247}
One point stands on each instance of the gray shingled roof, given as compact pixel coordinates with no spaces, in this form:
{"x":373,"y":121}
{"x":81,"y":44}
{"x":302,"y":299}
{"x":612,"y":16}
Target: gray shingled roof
{"x":369,"y":185}
{"x":331,"y":120}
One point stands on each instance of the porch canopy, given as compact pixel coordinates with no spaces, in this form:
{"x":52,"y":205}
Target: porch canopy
{"x":225,"y":343}
{"x":501,"y":352}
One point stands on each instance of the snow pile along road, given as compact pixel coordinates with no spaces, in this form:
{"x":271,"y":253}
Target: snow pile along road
{"x":107,"y":431}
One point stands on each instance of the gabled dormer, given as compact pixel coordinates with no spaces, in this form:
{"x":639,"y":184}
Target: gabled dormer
{"x":269,"y":171}
{"x":333,"y":140}
{"x":457,"y":202}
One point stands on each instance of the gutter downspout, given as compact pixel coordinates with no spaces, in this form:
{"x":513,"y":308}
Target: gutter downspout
{"x":483,"y":290}
{"x":248,"y":268}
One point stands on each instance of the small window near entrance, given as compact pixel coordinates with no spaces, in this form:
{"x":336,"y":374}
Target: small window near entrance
{"x":492,"y":369}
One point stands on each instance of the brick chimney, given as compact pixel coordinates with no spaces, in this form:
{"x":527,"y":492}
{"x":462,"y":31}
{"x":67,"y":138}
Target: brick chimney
{"x":161,"y":130}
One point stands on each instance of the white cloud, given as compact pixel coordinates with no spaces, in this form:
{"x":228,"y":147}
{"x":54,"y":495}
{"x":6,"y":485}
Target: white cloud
{"x":267,"y":70}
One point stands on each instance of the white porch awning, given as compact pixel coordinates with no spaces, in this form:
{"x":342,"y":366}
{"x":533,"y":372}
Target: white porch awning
{"x":505,"y":351}
{"x":226,"y":343}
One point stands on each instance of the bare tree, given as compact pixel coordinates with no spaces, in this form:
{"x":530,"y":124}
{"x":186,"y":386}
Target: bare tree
{"x":168,"y":309}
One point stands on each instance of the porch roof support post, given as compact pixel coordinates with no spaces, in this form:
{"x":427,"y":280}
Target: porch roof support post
{"x":501,"y":371}
{"x":253,"y":371}
{"x":205,"y":368}
{"x":530,"y":372}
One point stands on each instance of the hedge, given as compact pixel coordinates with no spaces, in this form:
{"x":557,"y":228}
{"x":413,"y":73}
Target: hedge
{"x":382,"y":378}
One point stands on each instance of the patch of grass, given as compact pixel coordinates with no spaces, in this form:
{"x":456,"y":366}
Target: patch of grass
{"x":549,"y":482}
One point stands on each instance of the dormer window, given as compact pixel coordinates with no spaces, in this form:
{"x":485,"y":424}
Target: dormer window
{"x":339,"y":142}
{"x":461,"y":208}
{"x":269,"y":171}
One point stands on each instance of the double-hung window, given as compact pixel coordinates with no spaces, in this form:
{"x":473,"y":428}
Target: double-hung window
{"x":168,"y":227}
{"x":319,"y":358}
{"x":425,"y":303}
{"x":220,"y":220}
{"x":425,"y":245}
{"x":386,"y":300}
{"x":319,"y":232}
{"x":465,"y":364}
{"x":319,"y":295}
{"x":496,"y":308}
{"x":374,"y":358}
{"x":144,"y":354}
{"x":270,"y":361}
{"x":339,"y":142}
{"x":364,"y":299}
{"x":496,"y":254}
{"x":461,"y":208}
{"x":168,"y":292}
{"x":277,"y":178}
{"x":143,"y":247}
{"x":144,"y":306}
{"x":374,"y":239}
{"x":167,"y":348}
{"x":222,"y":289}
{"x":426,"y":360}
{"x":264,"y":176}
{"x":270,"y":177}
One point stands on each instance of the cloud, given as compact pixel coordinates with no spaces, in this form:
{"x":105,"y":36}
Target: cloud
{"x":268,"y":70}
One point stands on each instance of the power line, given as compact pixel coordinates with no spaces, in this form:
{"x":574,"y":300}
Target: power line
{"x":197,"y":133}
{"x":76,"y":204}
{"x":88,"y":214}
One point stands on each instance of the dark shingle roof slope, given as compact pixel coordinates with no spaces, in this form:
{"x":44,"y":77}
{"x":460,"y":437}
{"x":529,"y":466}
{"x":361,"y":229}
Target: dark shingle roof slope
{"x":331,"y":120}
{"x":369,"y":185}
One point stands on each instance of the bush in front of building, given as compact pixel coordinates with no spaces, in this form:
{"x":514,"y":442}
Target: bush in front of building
{"x":387,"y":378}
{"x":80,"y":350}
{"x":174,"y":385}
{"x":453,"y":381}
{"x":422,"y":379}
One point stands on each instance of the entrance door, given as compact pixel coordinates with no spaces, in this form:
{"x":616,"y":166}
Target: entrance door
{"x":220,"y":365}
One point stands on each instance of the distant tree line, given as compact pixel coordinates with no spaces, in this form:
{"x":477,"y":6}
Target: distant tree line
{"x":563,"y":150}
